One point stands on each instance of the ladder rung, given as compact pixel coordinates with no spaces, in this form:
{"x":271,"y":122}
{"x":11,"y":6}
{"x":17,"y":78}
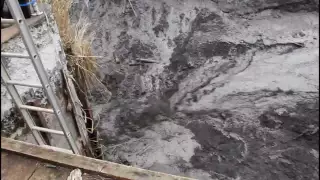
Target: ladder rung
{"x":7,"y":21}
{"x":33,"y":108}
{"x":57,"y":149}
{"x":23,"y":84}
{"x":47,"y":130}
{"x":16,"y":55}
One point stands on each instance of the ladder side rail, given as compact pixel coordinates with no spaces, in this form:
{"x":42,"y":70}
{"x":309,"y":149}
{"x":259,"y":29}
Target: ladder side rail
{"x":16,"y":98}
{"x":37,"y":63}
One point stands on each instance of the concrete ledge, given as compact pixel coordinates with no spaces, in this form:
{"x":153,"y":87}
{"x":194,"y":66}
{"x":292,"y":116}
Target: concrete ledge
{"x":89,"y":165}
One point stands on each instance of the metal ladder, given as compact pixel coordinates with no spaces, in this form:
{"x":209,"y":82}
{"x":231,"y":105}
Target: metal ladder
{"x":19,"y":19}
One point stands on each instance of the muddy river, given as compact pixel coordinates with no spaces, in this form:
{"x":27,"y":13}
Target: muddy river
{"x":210,"y":89}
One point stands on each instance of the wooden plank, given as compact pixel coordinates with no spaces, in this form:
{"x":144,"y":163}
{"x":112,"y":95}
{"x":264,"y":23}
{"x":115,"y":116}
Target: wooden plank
{"x":76,"y":108}
{"x":82,"y":112}
{"x":44,"y":172}
{"x":90,"y":165}
{"x":16,"y":167}
{"x":12,"y":31}
{"x":33,"y":169}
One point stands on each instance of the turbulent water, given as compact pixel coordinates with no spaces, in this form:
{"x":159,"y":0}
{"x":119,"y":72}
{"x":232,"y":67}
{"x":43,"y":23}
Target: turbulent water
{"x":233,"y":95}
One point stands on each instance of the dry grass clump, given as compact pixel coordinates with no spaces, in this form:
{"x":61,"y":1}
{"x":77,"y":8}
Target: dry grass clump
{"x":81,"y":63}
{"x":76,"y":44}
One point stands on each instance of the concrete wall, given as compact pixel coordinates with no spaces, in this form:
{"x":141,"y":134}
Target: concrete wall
{"x":47,"y":40}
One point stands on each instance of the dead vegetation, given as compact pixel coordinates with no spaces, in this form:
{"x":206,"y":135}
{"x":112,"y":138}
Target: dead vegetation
{"x":76,"y":44}
{"x":81,"y":63}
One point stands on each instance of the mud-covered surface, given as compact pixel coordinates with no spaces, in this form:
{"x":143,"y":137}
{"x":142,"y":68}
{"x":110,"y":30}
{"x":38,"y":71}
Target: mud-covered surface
{"x":234,"y":94}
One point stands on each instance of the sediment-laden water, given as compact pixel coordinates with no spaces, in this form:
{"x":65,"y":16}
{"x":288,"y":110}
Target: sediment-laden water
{"x":234,"y":94}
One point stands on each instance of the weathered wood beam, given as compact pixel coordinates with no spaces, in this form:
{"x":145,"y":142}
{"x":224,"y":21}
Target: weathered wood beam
{"x":12,"y":31}
{"x":86,"y":164}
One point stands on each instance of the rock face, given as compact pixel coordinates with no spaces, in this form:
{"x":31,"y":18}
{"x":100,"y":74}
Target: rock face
{"x":234,"y":95}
